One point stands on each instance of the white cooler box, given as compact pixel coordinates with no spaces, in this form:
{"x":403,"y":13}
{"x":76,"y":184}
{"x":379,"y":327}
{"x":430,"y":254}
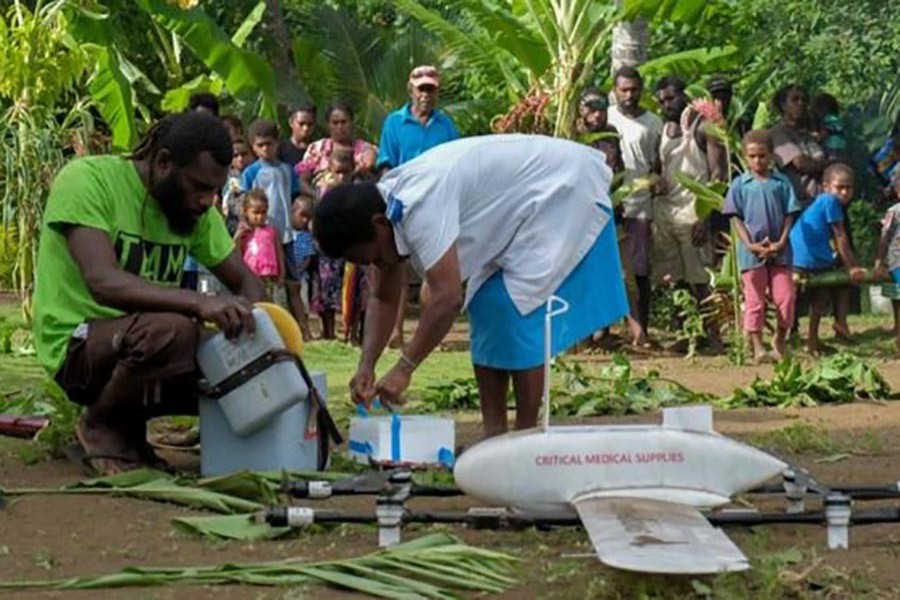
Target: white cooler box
{"x":402,"y":439}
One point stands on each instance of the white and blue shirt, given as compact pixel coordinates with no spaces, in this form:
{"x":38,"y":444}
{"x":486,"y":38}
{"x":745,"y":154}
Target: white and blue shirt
{"x":529,"y":206}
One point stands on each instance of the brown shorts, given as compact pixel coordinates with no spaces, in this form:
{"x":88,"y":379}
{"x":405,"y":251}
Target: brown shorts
{"x":156,"y":350}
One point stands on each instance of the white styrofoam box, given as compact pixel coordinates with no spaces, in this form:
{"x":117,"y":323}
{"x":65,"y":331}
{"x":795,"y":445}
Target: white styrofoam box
{"x":282,"y":444}
{"x":409,"y":439}
{"x":253,"y":404}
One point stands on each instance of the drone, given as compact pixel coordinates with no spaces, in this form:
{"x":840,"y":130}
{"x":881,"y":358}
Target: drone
{"x":646,"y":494}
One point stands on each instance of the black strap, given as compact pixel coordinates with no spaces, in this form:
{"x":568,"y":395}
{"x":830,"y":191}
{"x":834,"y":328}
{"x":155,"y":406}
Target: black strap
{"x":248,"y":372}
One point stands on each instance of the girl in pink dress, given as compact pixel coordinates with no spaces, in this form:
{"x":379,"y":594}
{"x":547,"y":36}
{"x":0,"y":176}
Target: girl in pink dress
{"x":260,"y":243}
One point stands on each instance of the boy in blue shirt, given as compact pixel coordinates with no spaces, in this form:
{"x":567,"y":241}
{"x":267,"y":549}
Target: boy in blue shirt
{"x":276,"y":178}
{"x":811,"y":241}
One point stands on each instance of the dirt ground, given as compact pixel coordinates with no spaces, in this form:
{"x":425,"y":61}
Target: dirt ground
{"x":61,"y":536}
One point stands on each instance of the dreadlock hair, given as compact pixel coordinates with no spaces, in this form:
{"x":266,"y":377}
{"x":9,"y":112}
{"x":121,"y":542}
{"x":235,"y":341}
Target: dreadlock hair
{"x":782,"y":94}
{"x":186,"y":135}
{"x":262,"y":128}
{"x":204,"y":100}
{"x":670,"y":81}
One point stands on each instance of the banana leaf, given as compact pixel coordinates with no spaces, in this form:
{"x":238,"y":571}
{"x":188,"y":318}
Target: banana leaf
{"x":434,"y":566}
{"x":229,"y":527}
{"x":148,"y":484}
{"x":243,"y":484}
{"x":708,"y":197}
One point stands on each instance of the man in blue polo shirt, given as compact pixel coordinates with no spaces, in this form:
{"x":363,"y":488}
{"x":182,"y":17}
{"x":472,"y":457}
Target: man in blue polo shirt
{"x":419,"y":125}
{"x":408,"y":132}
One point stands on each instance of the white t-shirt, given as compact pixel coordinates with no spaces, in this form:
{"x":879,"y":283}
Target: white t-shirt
{"x":531,"y":206}
{"x":639,"y":139}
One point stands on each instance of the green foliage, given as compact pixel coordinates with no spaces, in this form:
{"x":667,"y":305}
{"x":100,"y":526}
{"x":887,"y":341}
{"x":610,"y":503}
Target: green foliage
{"x":692,"y":322}
{"x":37,"y":63}
{"x":801,"y":437}
{"x":865,"y":225}
{"x":433,"y":566}
{"x":45,"y":400}
{"x":229,"y":527}
{"x":616,"y":390}
{"x":840,"y":378}
{"x":456,"y":395}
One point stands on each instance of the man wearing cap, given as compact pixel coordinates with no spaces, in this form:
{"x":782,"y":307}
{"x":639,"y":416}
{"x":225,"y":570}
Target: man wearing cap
{"x":419,"y":125}
{"x":408,"y":132}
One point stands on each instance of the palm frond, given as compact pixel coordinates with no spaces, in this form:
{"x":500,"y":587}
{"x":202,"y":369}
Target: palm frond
{"x":434,"y":566}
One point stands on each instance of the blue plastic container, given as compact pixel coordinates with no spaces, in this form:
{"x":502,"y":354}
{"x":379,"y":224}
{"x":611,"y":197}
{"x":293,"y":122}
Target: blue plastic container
{"x":281,"y":443}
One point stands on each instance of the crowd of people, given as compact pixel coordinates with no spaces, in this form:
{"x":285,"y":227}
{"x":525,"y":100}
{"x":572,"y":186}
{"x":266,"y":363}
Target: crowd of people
{"x":788,"y":205}
{"x":273,"y":185}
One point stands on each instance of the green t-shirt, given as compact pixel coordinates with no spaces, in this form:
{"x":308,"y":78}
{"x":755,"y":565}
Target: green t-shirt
{"x":106,"y":193}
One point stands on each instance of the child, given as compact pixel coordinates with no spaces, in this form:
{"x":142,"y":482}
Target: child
{"x":259,"y":242}
{"x":811,"y":237}
{"x":340,"y":169}
{"x":232,"y":200}
{"x":303,"y":263}
{"x":331,"y":270}
{"x":887,"y":261}
{"x":827,"y":126}
{"x":762,"y":206}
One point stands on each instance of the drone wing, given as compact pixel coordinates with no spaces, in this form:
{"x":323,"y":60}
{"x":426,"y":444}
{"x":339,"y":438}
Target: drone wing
{"x":653,"y":536}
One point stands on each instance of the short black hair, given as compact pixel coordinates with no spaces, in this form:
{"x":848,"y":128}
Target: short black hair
{"x":671,"y":81}
{"x":627,"y":72}
{"x":341,"y":106}
{"x":262,"y":128}
{"x":343,"y":217}
{"x":186,"y":135}
{"x":719,"y":83}
{"x":835,"y":169}
{"x":204,"y":100}
{"x":824,"y":104}
{"x":782,"y":94}
{"x":234,"y":121}
{"x":303,"y":108}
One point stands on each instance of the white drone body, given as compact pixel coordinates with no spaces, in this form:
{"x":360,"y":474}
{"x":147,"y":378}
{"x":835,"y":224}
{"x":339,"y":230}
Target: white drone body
{"x":637,"y":489}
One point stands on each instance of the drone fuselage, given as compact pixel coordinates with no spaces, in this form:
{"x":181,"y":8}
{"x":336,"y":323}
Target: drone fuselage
{"x":541,"y":471}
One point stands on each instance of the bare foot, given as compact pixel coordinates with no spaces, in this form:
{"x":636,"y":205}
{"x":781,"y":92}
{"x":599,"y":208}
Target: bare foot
{"x":762,"y":358}
{"x":813,"y":348}
{"x":779,"y":348}
{"x":107,"y":450}
{"x":842,"y":334}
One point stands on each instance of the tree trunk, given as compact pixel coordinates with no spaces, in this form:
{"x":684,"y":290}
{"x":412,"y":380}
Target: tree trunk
{"x":630,"y":42}
{"x":282,"y":57}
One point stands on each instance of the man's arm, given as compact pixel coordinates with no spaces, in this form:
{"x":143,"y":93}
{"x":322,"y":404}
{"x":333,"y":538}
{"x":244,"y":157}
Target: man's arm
{"x":444,"y":303}
{"x":381,"y":312}
{"x":111,"y":285}
{"x":716,"y":158}
{"x":445,"y":284}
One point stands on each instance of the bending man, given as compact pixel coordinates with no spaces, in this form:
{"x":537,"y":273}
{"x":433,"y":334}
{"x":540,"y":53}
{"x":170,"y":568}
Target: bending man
{"x":520,"y":218}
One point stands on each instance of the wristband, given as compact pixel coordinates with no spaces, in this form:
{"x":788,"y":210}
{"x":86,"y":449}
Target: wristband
{"x":408,"y":361}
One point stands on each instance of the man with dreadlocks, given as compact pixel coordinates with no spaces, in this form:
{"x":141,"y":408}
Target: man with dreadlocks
{"x":112,"y":326}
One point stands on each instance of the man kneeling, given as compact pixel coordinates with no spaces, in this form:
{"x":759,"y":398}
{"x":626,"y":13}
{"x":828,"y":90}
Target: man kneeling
{"x":112,"y":325}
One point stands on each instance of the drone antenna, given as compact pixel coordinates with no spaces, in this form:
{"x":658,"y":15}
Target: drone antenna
{"x":563,"y":306}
